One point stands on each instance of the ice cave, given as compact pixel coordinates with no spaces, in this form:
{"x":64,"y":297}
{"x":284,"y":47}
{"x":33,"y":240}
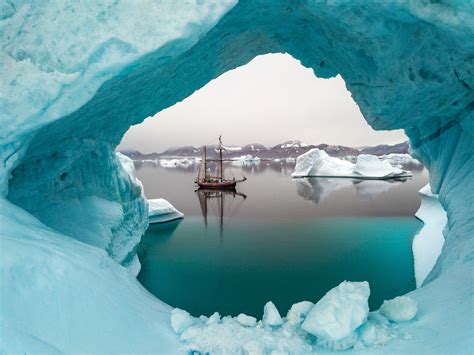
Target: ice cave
{"x":75,"y":76}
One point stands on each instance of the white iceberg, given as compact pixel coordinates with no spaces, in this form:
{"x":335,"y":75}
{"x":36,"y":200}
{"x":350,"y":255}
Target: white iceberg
{"x":160,"y":210}
{"x":371,"y":167}
{"x":317,"y":163}
{"x":399,"y":309}
{"x":342,"y":310}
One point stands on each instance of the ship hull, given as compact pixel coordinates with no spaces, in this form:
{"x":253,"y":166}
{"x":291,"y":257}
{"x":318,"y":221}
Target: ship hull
{"x":217,"y":185}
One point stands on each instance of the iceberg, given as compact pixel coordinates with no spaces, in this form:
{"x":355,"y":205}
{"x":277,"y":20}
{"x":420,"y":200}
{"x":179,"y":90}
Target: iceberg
{"x":428,"y":243}
{"x":340,"y":312}
{"x":317,"y":163}
{"x":75,"y":77}
{"x":160,"y":210}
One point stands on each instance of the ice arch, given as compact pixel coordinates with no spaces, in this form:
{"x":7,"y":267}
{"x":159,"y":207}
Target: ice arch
{"x":75,"y":77}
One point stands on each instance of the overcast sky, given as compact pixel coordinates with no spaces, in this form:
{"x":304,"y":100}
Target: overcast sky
{"x":270,"y":100}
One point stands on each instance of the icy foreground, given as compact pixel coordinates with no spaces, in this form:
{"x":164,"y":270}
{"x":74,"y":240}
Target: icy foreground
{"x":316,"y":162}
{"x":74,"y":76}
{"x":339,"y":321}
{"x":160,"y":210}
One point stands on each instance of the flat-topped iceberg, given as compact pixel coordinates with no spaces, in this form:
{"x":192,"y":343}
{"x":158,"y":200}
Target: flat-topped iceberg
{"x":317,"y":163}
{"x":160,"y":210}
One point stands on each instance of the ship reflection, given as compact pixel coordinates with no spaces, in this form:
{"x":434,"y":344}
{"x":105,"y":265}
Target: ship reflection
{"x":219,"y":202}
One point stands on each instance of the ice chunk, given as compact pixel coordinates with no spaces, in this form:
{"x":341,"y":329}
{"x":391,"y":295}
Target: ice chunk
{"x":339,"y":312}
{"x":316,"y":162}
{"x":245,"y":320}
{"x":271,"y":316}
{"x":370,"y":166}
{"x":160,"y":210}
{"x":399,"y":309}
{"x":298,"y":312}
{"x":181,"y":320}
{"x":214,"y":318}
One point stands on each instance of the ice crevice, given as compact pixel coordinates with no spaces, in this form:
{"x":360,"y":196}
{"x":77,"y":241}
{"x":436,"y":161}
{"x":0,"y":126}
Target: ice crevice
{"x":72,"y":216}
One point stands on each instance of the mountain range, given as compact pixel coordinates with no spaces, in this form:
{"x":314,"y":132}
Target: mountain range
{"x":289,"y":149}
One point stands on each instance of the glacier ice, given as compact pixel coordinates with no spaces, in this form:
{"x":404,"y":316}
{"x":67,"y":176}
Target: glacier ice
{"x":428,"y":243}
{"x":340,"y":312}
{"x":160,"y":210}
{"x":181,"y":320}
{"x":271,"y":316}
{"x":66,"y":100}
{"x":245,"y":320}
{"x":399,"y":309}
{"x":298,"y":312}
{"x":317,"y":163}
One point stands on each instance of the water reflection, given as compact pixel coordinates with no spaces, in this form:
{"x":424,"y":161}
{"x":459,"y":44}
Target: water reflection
{"x":215,"y":200}
{"x":319,"y":189}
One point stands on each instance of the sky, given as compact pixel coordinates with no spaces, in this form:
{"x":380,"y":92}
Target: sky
{"x":270,"y":100}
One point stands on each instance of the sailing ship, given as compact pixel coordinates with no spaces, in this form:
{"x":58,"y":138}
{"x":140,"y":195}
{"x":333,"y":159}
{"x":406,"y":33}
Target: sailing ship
{"x":207,"y":181}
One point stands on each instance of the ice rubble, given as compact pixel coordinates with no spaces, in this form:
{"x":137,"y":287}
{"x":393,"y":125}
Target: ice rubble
{"x":160,"y":210}
{"x":339,"y":321}
{"x":317,"y":163}
{"x":68,"y":99}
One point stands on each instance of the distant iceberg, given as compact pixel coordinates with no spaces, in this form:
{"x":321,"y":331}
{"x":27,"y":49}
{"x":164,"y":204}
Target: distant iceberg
{"x":160,"y":210}
{"x":317,"y":163}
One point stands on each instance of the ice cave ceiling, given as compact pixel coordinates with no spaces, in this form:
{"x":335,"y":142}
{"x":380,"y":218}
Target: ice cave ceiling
{"x":75,"y":77}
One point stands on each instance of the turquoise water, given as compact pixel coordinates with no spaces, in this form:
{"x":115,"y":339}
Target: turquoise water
{"x":247,"y":262}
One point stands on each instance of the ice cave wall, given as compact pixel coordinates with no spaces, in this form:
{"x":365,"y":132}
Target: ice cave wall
{"x":76,"y":76}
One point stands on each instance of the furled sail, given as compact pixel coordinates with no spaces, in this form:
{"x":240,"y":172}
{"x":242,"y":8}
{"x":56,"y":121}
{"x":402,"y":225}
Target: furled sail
{"x":202,"y":170}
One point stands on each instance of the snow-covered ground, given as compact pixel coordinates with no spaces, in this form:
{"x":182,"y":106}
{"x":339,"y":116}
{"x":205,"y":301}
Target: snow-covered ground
{"x":317,"y":163}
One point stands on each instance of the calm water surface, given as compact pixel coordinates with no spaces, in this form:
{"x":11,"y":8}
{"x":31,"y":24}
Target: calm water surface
{"x":277,"y":239}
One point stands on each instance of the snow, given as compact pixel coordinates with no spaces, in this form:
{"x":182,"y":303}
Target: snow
{"x":160,"y":210}
{"x":71,"y":217}
{"x":340,"y":312}
{"x":317,"y":163}
{"x":271,"y":316}
{"x":399,"y":309}
{"x":428,"y":243}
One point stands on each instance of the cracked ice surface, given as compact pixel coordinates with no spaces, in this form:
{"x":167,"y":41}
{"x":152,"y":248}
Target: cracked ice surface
{"x":74,"y":76}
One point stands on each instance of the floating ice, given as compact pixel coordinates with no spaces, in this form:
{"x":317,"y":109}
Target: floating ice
{"x":316,"y":162}
{"x":271,"y":316}
{"x":399,"y":309}
{"x":298,"y":312}
{"x":245,"y":320}
{"x":160,"y":210}
{"x":181,"y":320}
{"x":339,"y":312}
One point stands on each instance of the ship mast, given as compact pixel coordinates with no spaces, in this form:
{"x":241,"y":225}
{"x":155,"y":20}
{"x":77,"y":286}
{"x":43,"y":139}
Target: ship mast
{"x":220,"y":158}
